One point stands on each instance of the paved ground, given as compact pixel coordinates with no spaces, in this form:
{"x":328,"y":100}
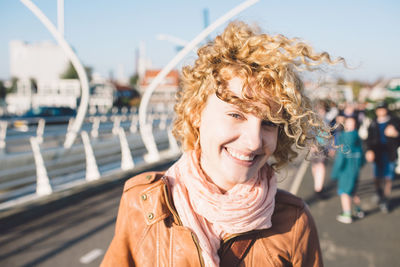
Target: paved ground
{"x":74,"y":231}
{"x":371,"y":242}
{"x":77,"y":230}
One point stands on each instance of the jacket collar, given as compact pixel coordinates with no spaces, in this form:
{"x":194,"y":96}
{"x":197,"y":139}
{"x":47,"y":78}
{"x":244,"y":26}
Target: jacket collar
{"x":156,"y":202}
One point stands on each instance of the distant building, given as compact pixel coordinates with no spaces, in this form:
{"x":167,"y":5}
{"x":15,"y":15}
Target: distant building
{"x":101,"y":95}
{"x":164,"y":95}
{"x":386,"y":88}
{"x":44,"y":61}
{"x":329,"y":90}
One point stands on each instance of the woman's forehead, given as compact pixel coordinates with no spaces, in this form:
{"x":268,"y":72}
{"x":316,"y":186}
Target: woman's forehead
{"x":244,"y":91}
{"x":235,"y":85}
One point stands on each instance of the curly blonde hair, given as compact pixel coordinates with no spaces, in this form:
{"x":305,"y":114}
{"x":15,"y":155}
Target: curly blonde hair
{"x":272,"y":88}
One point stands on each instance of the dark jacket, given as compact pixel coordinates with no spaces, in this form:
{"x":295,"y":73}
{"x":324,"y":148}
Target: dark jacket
{"x":149,"y":233}
{"x":373,"y":141}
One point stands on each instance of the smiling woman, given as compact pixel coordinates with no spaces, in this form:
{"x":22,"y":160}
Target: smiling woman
{"x":240,"y":105}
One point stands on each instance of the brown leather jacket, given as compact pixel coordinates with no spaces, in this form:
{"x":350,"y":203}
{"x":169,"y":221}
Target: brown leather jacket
{"x":148,"y":232}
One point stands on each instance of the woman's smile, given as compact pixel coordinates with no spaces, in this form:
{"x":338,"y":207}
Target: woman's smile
{"x":239,"y":156}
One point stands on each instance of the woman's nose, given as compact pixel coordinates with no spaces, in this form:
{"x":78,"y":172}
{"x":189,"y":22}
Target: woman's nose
{"x":253,"y":135}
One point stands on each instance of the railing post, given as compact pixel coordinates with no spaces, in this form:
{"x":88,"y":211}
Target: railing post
{"x":70,"y":123}
{"x":116,"y":125}
{"x":43,"y":186}
{"x":3,"y":133}
{"x":126,"y":156}
{"x":92,"y":171}
{"x":148,"y":138}
{"x":133,"y":110}
{"x":173,"y":145}
{"x":95,"y":127}
{"x":40,"y":131}
{"x":124,"y":110}
{"x":134,"y":124}
{"x":163,"y":121}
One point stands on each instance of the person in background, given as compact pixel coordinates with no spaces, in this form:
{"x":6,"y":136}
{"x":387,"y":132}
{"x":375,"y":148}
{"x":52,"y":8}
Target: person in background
{"x":348,"y":161}
{"x":319,"y":153}
{"x":381,"y":149}
{"x":240,"y":105}
{"x":333,"y":111}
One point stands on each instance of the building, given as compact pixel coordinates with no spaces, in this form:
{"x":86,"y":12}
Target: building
{"x":163,"y":97}
{"x":125,"y":96}
{"x":385,"y":89}
{"x":43,"y":62}
{"x":101,"y":95}
{"x":38,"y":68}
{"x":329,"y":90}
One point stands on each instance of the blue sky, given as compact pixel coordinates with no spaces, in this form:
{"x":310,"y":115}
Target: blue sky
{"x":106,"y":33}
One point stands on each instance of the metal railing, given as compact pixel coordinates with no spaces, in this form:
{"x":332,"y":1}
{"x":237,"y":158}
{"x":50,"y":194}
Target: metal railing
{"x":35,"y":163}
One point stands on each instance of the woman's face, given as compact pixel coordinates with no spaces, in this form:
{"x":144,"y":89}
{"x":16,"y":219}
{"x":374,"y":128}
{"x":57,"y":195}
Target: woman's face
{"x":234,"y":145}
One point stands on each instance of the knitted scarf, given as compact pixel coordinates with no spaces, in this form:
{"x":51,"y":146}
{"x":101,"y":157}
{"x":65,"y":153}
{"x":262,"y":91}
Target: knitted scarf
{"x":212,"y":215}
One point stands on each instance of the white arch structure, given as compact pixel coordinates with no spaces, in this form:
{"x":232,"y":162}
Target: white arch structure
{"x":174,"y":40}
{"x":144,"y":128}
{"x":82,"y":109}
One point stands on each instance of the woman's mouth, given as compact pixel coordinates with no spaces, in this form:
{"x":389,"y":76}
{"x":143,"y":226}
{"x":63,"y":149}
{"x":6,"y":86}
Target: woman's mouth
{"x":241,"y":158}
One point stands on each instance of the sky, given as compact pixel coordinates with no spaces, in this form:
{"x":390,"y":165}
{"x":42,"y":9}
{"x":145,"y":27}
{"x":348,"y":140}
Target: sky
{"x":105,"y":34}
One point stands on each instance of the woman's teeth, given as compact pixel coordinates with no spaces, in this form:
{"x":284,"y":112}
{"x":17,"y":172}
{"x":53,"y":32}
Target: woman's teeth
{"x":240,"y":156}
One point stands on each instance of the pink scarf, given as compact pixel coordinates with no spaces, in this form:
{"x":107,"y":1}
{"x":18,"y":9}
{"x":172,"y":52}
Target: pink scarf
{"x":212,"y":215}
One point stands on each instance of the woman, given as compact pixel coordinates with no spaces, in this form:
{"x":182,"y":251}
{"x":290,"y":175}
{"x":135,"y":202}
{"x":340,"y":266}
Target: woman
{"x":319,"y":157}
{"x":218,"y":205}
{"x":346,"y":169}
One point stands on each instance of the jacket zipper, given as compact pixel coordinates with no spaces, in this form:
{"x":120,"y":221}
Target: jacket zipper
{"x":174,"y":212}
{"x":171,"y":209}
{"x":196,"y":242}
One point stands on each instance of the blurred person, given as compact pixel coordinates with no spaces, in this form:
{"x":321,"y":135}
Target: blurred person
{"x":365,"y":122}
{"x":337,"y":124}
{"x":347,"y":109}
{"x":381,"y":145}
{"x":346,"y":168}
{"x":332,"y":112}
{"x":352,"y":109}
{"x":241,"y":103}
{"x":320,"y":153}
{"x":361,"y":116}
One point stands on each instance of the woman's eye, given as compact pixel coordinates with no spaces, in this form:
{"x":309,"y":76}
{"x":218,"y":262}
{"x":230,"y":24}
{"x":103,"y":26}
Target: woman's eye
{"x":269,"y":123}
{"x":235,"y":115}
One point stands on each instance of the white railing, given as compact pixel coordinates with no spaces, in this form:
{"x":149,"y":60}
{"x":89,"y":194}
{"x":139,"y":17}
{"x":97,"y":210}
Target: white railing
{"x":30,"y":169}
